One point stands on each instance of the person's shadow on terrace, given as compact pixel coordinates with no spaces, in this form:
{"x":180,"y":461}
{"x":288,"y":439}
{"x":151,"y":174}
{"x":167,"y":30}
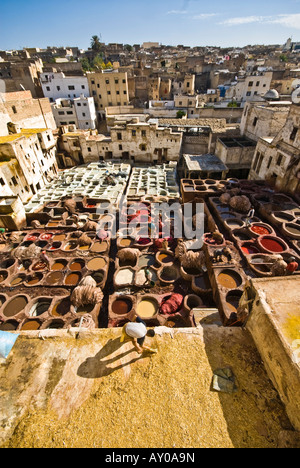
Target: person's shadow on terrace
{"x":98,"y":366}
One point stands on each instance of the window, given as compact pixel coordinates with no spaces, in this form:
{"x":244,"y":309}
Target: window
{"x":2,"y":181}
{"x":14,"y":181}
{"x":256,"y":160}
{"x":117,"y":81}
{"x":143,"y":147}
{"x":124,"y":81}
{"x":270,"y":162}
{"x":119,"y":136}
{"x":257,"y":83}
{"x":78,"y":104}
{"x":82,"y":87}
{"x":98,"y":86}
{"x":14,"y":109}
{"x":250,"y":84}
{"x":109,"y":93}
{"x":93,"y":82}
{"x":107,"y":81}
{"x":47,"y":88}
{"x":125,"y":92}
{"x":133,"y":133}
{"x":248,"y":93}
{"x":58,"y":88}
{"x":188,"y":84}
{"x":83,"y":114}
{"x":48,"y":137}
{"x":279,"y":160}
{"x":120,"y":147}
{"x":118,"y":92}
{"x":260,"y":164}
{"x":71,"y":88}
{"x":255,"y":121}
{"x":100,"y":97}
{"x":69,"y":113}
{"x":144,"y":133}
{"x":89,"y":149}
{"x":294,"y":134}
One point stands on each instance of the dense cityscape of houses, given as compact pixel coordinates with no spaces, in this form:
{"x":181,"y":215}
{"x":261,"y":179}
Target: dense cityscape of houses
{"x":150,"y":103}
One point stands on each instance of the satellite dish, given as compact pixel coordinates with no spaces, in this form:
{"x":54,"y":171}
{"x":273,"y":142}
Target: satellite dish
{"x":296,"y":96}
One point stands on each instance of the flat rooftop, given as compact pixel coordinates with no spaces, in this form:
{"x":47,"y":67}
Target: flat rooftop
{"x":204,"y":162}
{"x":90,"y":392}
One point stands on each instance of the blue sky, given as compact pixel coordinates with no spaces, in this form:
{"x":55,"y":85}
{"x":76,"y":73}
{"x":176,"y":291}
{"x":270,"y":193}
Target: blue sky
{"x":37,"y":23}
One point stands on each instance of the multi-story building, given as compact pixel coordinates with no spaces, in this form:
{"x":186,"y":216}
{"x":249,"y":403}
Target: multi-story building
{"x":58,"y":86}
{"x":80,"y":112}
{"x":27,"y":161}
{"x":277,"y":158}
{"x":108,"y":88}
{"x":250,"y":87}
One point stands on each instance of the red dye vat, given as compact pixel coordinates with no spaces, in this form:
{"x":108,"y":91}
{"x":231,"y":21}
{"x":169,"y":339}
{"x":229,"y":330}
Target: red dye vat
{"x":272,"y":245}
{"x":250,"y":249}
{"x":262,"y":231}
{"x":46,"y":236}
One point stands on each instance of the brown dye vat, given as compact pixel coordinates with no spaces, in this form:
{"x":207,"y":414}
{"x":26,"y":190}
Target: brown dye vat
{"x":229,"y":279}
{"x":72,"y":279}
{"x":9,"y":326}
{"x":33,"y":280}
{"x":125,"y":242}
{"x":61,"y":308}
{"x":31,"y":325}
{"x":122,"y":306}
{"x":55,"y":246}
{"x":54,"y":278}
{"x":99,"y":247}
{"x":147,"y":308}
{"x":2,"y":300}
{"x":97,"y":263}
{"x":77,"y":265}
{"x":17,"y":280}
{"x":293,"y":229}
{"x":3,"y":276}
{"x":53,"y":224}
{"x":59,"y":237}
{"x":193,"y":271}
{"x":59,"y":265}
{"x":16,"y":305}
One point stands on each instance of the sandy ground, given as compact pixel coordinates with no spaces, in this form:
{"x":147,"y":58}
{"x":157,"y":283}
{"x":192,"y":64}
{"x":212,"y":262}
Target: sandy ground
{"x":92,"y":392}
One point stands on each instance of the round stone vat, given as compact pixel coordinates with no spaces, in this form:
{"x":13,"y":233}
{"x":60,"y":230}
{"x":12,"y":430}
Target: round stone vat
{"x":96,"y":263}
{"x":3,"y":276}
{"x":165,"y":257}
{"x":234,"y":223}
{"x":34,"y":280}
{"x":9,"y":325}
{"x":148,"y":307}
{"x":14,"y":306}
{"x":122,"y":305}
{"x":124,"y":277}
{"x":261,"y":229}
{"x":77,"y":264}
{"x":54,"y":246}
{"x":31,"y":325}
{"x":17,"y":280}
{"x":40,"y":306}
{"x":229,"y":279}
{"x":73,"y":278}
{"x":59,"y":265}
{"x":54,"y":324}
{"x":70,"y":246}
{"x":249,"y":248}
{"x":292,"y":230}
{"x":6,"y":264}
{"x":168,"y":274}
{"x":233,"y":299}
{"x":54,"y":278}
{"x":272,"y":244}
{"x":61,"y":307}
{"x":98,"y":276}
{"x":191,"y":301}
